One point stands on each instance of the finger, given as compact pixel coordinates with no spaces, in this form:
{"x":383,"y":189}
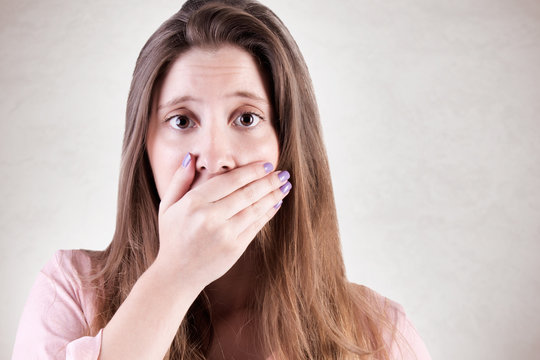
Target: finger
{"x":220,"y":186}
{"x":259,"y":213}
{"x":253,"y":192}
{"x":255,"y":226}
{"x":180,"y":183}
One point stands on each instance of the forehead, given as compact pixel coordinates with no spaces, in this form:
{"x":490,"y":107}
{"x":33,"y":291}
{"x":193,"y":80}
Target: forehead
{"x":209,"y":73}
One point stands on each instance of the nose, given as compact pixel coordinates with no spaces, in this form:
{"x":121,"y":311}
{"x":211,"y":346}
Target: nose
{"x":214,"y":152}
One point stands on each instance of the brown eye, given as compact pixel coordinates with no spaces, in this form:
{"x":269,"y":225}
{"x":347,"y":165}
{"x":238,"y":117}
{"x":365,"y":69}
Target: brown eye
{"x":247,"y":120}
{"x":180,"y":122}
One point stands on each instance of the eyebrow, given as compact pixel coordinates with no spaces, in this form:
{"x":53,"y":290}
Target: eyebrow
{"x":248,"y":95}
{"x":177,"y":100}
{"x":188,"y":98}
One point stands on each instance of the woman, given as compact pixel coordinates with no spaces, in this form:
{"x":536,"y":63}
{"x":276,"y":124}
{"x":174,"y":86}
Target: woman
{"x":226,"y":243}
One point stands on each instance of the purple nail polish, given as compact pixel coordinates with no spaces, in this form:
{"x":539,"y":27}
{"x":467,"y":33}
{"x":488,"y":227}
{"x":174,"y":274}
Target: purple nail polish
{"x":286,"y":188}
{"x":268,"y":167}
{"x":284,"y":175}
{"x":186,"y":160}
{"x":278,"y":205}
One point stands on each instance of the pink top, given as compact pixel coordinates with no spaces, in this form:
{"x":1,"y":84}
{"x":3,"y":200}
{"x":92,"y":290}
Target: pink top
{"x":58,"y":312}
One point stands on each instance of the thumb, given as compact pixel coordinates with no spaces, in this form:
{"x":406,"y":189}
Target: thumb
{"x":180,"y":183}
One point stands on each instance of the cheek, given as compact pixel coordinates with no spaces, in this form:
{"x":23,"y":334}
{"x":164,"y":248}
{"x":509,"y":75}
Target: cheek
{"x":270,"y":150}
{"x":261,"y":148}
{"x":165,"y":158}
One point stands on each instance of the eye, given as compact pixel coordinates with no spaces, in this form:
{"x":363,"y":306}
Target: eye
{"x":247,"y":120}
{"x":180,"y":122}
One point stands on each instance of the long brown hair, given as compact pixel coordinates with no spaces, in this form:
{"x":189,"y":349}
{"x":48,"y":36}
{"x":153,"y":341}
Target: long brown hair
{"x":304,"y":305}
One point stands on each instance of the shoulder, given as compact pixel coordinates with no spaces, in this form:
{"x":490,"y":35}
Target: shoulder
{"x":73,"y":262}
{"x":393,"y":310}
{"x":68,"y":272}
{"x":59,"y":308}
{"x":401,"y":336}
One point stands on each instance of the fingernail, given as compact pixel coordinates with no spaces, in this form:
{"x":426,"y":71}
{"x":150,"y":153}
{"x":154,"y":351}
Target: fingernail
{"x":286,"y":188}
{"x":186,"y":160}
{"x":278,"y":205}
{"x":284,"y":175}
{"x":268,"y":167}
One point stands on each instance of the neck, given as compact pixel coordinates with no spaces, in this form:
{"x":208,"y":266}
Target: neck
{"x":231,"y":292}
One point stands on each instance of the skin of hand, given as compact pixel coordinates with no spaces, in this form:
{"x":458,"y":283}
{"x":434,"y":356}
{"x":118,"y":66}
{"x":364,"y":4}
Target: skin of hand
{"x":205,"y":230}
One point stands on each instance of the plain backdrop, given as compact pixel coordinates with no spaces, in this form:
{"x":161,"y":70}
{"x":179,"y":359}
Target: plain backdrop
{"x":430,"y":111}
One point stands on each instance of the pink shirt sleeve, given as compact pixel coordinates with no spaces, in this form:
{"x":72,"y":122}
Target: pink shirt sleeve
{"x":408,"y":344}
{"x":403,"y":342}
{"x":57,"y":313}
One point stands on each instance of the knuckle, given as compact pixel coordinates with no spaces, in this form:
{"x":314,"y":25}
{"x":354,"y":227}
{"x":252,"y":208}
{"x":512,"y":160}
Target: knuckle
{"x":243,"y":177}
{"x":227,"y":244}
{"x":250,"y":194}
{"x":197,"y":219}
{"x":192,"y":199}
{"x":257,"y":208}
{"x":226,"y":234}
{"x":213,"y":215}
{"x":277,"y":195}
{"x":188,"y":202}
{"x":247,"y":174}
{"x":262,"y":221}
{"x":252,"y":173}
{"x":271,"y":181}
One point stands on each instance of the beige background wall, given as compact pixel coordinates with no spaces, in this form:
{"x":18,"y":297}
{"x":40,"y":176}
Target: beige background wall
{"x":431,"y":118}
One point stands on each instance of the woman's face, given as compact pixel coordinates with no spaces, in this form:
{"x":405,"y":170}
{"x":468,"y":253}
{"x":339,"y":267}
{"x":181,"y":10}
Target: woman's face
{"x":215,"y":105}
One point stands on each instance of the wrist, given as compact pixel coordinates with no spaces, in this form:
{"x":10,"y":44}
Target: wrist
{"x":176,"y":277}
